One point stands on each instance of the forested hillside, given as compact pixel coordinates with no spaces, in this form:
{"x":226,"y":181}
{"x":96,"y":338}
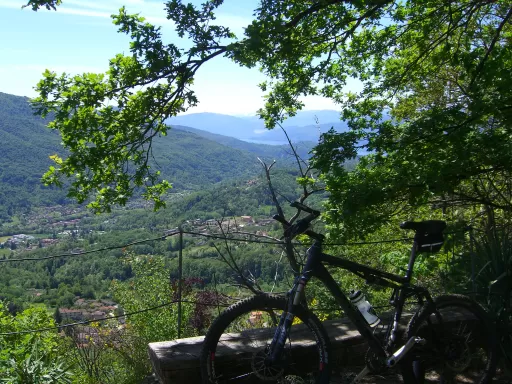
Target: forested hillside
{"x":59,"y":281}
{"x":186,"y":157}
{"x":26,"y":145}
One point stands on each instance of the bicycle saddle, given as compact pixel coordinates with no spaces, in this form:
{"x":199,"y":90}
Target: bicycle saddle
{"x":427,"y":226}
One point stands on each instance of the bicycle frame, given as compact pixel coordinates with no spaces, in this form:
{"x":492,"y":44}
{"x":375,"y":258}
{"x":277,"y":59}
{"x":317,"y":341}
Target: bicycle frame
{"x":315,"y":267}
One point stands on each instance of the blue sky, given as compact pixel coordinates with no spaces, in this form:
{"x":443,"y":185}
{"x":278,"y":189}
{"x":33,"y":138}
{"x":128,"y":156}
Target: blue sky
{"x":80,"y":37}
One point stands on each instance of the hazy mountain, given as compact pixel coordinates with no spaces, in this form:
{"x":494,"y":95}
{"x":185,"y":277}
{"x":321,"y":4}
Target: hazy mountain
{"x":305,"y":118}
{"x":310,"y":133}
{"x":302,"y":127}
{"x":263,"y":150}
{"x":226,"y":125}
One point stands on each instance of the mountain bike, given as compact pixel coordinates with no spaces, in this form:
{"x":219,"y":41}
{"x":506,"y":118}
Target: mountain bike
{"x":278,"y":339}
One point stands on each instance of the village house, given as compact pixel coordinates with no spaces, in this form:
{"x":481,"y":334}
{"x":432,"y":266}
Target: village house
{"x":47,"y":242}
{"x":97,"y":315}
{"x":72,"y":314}
{"x":107,"y":309}
{"x":21,"y":238}
{"x":247,"y":219}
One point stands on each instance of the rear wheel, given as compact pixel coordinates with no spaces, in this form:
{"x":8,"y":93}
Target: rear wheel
{"x":236,"y":346}
{"x":505,"y":350}
{"x":459,"y":343}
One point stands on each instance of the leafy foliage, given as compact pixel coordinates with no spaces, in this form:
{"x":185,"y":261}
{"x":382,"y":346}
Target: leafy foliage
{"x":108,"y":124}
{"x":150,"y":287}
{"x":30,"y":357}
{"x":48,"y":4}
{"x":435,"y":97}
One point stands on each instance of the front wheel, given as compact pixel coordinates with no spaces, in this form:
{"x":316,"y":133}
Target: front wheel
{"x":236,"y":346}
{"x":458,"y":344}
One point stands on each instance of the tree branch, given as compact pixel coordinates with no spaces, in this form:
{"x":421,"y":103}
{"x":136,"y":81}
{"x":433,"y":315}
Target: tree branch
{"x":490,"y":48}
{"x":322,"y":5}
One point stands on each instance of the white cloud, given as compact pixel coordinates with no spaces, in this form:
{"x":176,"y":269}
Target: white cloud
{"x":98,"y":6}
{"x":152,"y":11}
{"x":132,"y":1}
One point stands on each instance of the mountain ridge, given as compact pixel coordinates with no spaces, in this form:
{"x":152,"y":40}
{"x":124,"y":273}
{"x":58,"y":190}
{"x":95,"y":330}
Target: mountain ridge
{"x":305,"y":126}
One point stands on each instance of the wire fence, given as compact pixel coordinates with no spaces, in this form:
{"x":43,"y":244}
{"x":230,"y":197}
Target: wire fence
{"x":234,"y":237}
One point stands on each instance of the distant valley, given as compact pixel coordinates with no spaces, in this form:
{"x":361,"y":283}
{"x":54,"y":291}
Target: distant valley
{"x":216,"y":178}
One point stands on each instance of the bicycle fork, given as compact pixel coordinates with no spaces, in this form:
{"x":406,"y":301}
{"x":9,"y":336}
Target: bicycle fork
{"x":285,"y":323}
{"x":279,"y":339}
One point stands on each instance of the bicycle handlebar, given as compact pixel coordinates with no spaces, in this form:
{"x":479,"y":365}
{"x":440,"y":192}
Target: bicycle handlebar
{"x":301,"y":226}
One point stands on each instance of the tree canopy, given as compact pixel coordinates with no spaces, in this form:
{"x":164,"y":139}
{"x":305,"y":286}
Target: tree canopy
{"x":433,"y":114}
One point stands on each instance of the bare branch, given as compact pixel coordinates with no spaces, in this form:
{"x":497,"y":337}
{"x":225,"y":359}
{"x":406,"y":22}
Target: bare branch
{"x":250,"y":284}
{"x":288,"y":245}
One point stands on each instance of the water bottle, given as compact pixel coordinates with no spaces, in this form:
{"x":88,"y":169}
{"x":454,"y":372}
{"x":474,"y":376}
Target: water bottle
{"x":359,"y":300}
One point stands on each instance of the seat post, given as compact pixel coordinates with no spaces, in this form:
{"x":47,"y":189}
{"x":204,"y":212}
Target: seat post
{"x":428,"y":236}
{"x":412,"y":260}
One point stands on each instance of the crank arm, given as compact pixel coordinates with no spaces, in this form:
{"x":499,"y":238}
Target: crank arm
{"x":404,"y":350}
{"x":361,"y":374}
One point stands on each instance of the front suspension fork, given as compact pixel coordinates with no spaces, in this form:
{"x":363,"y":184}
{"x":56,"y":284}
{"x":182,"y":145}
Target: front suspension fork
{"x":295,"y":296}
